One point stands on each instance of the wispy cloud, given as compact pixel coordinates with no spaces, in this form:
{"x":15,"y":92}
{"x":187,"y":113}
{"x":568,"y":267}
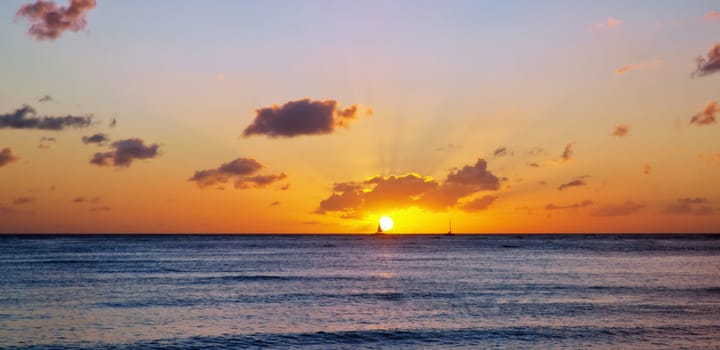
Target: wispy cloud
{"x":479,"y":204}
{"x":573,"y":183}
{"x":568,"y":152}
{"x":243,"y":172}
{"x":707,"y":116}
{"x":610,"y":23}
{"x":26,"y":118}
{"x":621,"y":130}
{"x":689,"y":206}
{"x":583,"y":204}
{"x":624,"y":209}
{"x":712,"y":16}
{"x":6,"y":157}
{"x":648,"y":65}
{"x":709,"y":64}
{"x":49,"y":21}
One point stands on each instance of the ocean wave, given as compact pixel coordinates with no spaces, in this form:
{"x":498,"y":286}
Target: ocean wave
{"x":511,"y":337}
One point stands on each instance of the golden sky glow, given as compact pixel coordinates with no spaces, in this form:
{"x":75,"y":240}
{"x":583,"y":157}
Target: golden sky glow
{"x":283,"y":118}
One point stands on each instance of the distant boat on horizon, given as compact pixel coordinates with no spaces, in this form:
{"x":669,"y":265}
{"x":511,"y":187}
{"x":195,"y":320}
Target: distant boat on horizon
{"x":449,"y":233}
{"x":379,"y":230}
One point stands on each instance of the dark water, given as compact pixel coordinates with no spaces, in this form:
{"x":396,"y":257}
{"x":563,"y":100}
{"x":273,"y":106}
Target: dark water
{"x":349,"y":292}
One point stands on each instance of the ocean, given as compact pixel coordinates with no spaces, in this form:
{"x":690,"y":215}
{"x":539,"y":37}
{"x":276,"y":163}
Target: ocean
{"x":359,"y":291}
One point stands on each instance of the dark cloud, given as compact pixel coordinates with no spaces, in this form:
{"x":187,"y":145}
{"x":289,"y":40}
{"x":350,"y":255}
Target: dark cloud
{"x":125,"y":152}
{"x":285,"y":187}
{"x":98,"y":139}
{"x":49,"y":21}
{"x":301,"y":117}
{"x":476,"y":176}
{"x":707,"y":116}
{"x":242,"y":172}
{"x":479,"y":204}
{"x":380,"y":193}
{"x":26,"y":118}
{"x":573,"y":183}
{"x":500,"y":152}
{"x":46,"y":98}
{"x":621,"y":130}
{"x":689,"y":206}
{"x":113,"y":123}
{"x":709,"y":64}
{"x":568,"y":152}
{"x":82,"y":199}
{"x":6,"y":157}
{"x":625,"y":209}
{"x":23,"y":200}
{"x":275,"y":203}
{"x":533,"y":164}
{"x":583,"y":204}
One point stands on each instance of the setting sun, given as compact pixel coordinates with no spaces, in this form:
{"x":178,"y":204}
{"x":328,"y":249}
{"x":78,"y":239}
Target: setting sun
{"x":386,"y":223}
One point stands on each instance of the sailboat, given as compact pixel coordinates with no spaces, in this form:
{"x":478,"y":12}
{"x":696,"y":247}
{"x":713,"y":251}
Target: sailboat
{"x":379,"y":231}
{"x":449,"y":233}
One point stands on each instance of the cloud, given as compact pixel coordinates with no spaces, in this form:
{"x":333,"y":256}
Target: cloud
{"x":583,"y":204}
{"x":449,"y":147}
{"x":610,"y":23}
{"x":242,"y":172}
{"x":479,"y":204}
{"x":710,"y":159}
{"x":646,"y":169}
{"x":711,"y":16}
{"x":82,"y":199}
{"x":621,"y":130}
{"x":533,"y":164}
{"x":125,"y":152}
{"x":573,"y":183}
{"x":689,"y":206}
{"x":568,"y":152}
{"x":113,"y":123}
{"x":500,"y":152}
{"x":708,"y":65}
{"x":285,"y":187}
{"x":275,"y":203}
{"x":301,"y":117}
{"x":707,"y":116}
{"x":536,"y":151}
{"x":46,"y":98}
{"x":23,"y":200}
{"x":25,"y":118}
{"x":49,"y":21}
{"x":6,"y":157}
{"x":47,"y":139}
{"x":381,"y":193}
{"x":655,"y":64}
{"x":98,"y":139}
{"x":625,"y":209}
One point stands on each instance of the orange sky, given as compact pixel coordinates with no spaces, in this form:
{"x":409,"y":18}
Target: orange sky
{"x":319,"y":117}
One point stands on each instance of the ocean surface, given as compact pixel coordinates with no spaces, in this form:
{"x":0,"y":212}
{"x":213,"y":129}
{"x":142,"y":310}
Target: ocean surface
{"x":359,"y":292}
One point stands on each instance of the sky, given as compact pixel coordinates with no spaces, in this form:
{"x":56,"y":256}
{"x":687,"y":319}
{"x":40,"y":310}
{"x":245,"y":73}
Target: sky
{"x":322,"y":116}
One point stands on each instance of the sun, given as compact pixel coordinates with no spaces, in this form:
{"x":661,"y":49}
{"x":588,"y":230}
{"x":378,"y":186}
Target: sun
{"x":386,"y":223}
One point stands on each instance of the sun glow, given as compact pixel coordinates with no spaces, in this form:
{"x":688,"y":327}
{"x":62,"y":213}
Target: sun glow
{"x":386,"y":223}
